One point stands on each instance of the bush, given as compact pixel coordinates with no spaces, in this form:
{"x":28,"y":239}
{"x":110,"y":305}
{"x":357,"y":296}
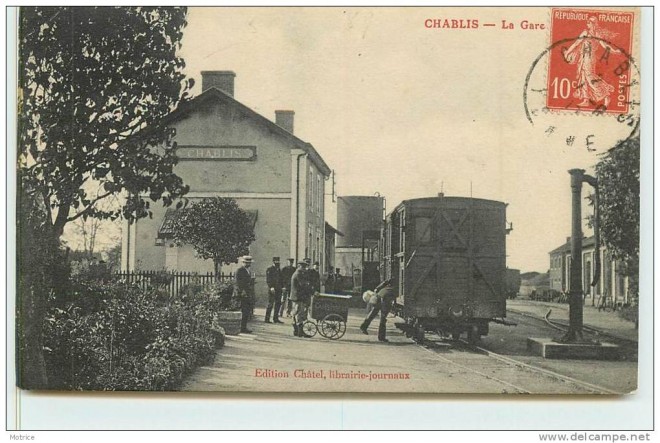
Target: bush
{"x":629,"y":312}
{"x":114,"y":336}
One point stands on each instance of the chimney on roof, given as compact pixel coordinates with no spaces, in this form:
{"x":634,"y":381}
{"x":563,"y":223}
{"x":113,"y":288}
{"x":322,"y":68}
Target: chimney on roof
{"x":222,"y":80}
{"x":284,"y":119}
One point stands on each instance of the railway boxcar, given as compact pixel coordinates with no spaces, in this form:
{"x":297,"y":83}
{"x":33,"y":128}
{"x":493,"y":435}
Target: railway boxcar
{"x":447,"y":256}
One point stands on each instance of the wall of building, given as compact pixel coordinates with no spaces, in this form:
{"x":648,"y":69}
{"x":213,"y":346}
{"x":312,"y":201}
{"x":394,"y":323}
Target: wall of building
{"x":214,"y":125}
{"x":263,"y":185}
{"x":610,"y":281}
{"x":356,"y":214}
{"x":315,"y":216}
{"x":266,"y":183}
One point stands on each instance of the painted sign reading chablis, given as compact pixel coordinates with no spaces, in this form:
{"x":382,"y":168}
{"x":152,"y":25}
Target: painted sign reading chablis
{"x":227,"y":153}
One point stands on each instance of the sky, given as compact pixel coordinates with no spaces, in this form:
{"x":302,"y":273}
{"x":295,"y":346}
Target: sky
{"x":408,"y":111}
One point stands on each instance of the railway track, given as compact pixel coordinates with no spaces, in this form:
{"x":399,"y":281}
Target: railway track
{"x":629,"y":348}
{"x":513,"y":375}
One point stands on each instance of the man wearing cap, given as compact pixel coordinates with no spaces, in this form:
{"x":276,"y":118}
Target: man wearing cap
{"x":315,"y":277}
{"x":244,"y":290}
{"x":274,"y":282}
{"x":301,"y":295}
{"x":287,"y":273}
{"x":339,"y":286}
{"x":329,"y":286}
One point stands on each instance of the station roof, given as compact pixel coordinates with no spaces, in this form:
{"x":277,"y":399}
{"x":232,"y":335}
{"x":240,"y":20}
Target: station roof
{"x":566,"y":247}
{"x":215,"y":94}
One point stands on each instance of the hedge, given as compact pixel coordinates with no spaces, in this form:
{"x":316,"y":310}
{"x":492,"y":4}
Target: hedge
{"x":112,"y":336}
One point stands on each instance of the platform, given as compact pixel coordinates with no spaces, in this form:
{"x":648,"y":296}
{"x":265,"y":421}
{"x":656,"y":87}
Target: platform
{"x":547,"y":348}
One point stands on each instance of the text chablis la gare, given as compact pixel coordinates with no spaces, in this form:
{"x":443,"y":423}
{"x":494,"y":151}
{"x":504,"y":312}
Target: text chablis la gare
{"x":447,"y":23}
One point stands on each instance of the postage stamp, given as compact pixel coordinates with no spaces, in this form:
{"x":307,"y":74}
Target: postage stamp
{"x":589,"y":67}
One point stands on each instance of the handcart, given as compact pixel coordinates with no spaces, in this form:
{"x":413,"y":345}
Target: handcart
{"x":327,"y":315}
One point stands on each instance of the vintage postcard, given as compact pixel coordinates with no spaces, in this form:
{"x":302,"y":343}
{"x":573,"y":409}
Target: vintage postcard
{"x":341,"y":199}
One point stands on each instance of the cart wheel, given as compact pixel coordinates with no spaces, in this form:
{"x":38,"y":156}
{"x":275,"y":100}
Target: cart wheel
{"x":309,"y":328}
{"x":333,"y":326}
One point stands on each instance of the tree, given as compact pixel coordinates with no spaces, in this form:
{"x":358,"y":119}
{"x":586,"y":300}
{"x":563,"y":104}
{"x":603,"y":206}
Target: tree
{"x":92,"y":234}
{"x":619,"y":201}
{"x":217,"y":228}
{"x":95,"y":87}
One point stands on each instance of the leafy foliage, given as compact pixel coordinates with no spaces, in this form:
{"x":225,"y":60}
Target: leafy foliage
{"x":619,"y":204}
{"x":112,"y":336}
{"x":217,"y":228}
{"x":618,"y":178}
{"x":96,"y":85}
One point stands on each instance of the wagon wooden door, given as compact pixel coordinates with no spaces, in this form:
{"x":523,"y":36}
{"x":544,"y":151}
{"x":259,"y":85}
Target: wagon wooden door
{"x":475,"y":241}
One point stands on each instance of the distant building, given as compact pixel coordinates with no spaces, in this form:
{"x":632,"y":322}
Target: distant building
{"x":228,"y":150}
{"x":360,"y":219}
{"x":330,"y":245}
{"x":611,"y":282}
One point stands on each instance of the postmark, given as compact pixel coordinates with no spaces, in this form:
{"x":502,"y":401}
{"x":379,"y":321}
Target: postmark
{"x":590,"y":71}
{"x":583,"y":90}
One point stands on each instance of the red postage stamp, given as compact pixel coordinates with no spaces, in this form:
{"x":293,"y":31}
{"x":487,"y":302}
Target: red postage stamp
{"x":589,"y":65}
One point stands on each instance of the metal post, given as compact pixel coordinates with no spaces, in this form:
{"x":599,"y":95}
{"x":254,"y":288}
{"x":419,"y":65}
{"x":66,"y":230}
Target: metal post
{"x":575,"y":294}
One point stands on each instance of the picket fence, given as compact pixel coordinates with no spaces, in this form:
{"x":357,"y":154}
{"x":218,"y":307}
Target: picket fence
{"x":173,"y":281}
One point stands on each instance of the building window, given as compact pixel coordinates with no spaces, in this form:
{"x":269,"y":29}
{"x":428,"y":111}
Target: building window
{"x":309,"y":242}
{"x":311,"y":189}
{"x":318,"y":249}
{"x":319,"y":193}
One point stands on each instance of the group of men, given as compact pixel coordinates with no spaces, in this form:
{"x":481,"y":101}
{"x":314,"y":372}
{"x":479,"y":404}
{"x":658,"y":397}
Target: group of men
{"x":291,"y":288}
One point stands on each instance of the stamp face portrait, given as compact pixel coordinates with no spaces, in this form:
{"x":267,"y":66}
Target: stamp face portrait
{"x":589,"y":66}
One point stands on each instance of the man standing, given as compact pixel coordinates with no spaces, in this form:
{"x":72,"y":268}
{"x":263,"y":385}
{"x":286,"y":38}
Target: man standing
{"x":315,"y":277}
{"x":339,"y":286}
{"x":382,"y":302}
{"x":301,"y":294}
{"x":287,"y":273}
{"x":274,"y":282}
{"x":330,"y":282}
{"x":244,"y":290}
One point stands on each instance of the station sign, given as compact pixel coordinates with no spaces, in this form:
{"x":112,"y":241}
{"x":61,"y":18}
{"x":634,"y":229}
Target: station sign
{"x":223,"y":153}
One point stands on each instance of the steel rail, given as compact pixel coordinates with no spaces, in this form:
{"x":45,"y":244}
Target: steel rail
{"x":467,"y":368}
{"x":511,"y":361}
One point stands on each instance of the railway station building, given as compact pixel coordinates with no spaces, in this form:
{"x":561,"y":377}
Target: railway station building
{"x":226,"y":149}
{"x":612,"y":282}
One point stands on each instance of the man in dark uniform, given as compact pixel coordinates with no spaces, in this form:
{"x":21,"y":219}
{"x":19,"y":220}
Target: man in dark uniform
{"x":274,"y":282}
{"x":244,"y":290}
{"x":339,"y":286}
{"x":315,"y":277}
{"x":384,"y":299}
{"x":330,"y":282}
{"x":287,"y":273}
{"x":301,"y":295}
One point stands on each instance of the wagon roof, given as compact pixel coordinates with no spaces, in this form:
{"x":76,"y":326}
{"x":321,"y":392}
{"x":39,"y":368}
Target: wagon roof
{"x":449,"y":200}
